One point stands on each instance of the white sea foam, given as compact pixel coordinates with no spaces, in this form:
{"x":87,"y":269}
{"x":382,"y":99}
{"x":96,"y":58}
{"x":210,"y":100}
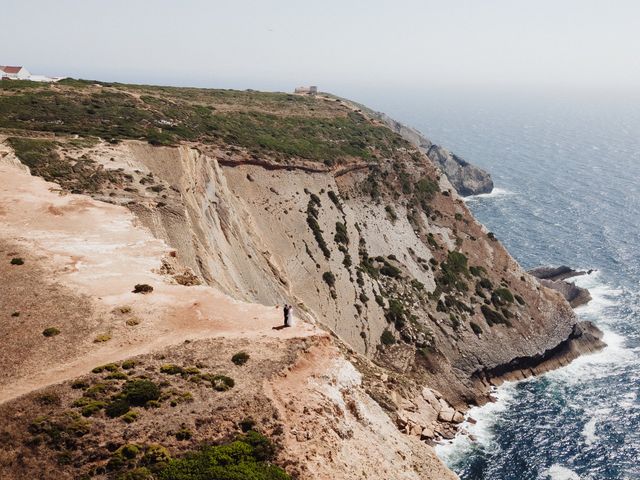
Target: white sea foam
{"x":589,"y":431}
{"x":496,"y":192}
{"x":558,"y":472}
{"x":596,"y":365}
{"x":482,"y":430}
{"x":603,"y":296}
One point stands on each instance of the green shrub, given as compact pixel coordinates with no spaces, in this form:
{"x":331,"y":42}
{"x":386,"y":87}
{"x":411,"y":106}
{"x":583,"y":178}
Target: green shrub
{"x":247,"y":424}
{"x":504,"y":294}
{"x":453,"y":270}
{"x":485,"y":283}
{"x":117,"y":407}
{"x":389,"y":270}
{"x":92,"y":407}
{"x":183,"y":434}
{"x":139,"y":392}
{"x":493,"y":317}
{"x":129,"y":451}
{"x":222,"y":383}
{"x":17,"y":261}
{"x":387,"y":337}
{"x":335,"y":199}
{"x":142,"y":288}
{"x":367,"y":266}
{"x":246,"y":458}
{"x":117,"y":376}
{"x":109,"y":367}
{"x":477,"y":271}
{"x":141,"y":473}
{"x":48,"y":399}
{"x":50,"y":332}
{"x":341,"y":235}
{"x":329,"y":278}
{"x":79,"y":384}
{"x":130,"y":417}
{"x":396,"y":313}
{"x":157,"y":455}
{"x":97,"y":390}
{"x":476,"y":328}
{"x":312,"y":221}
{"x":425,"y":189}
{"x":103,"y":337}
{"x":61,"y":432}
{"x":128,"y":364}
{"x":171,"y":369}
{"x":240,"y":358}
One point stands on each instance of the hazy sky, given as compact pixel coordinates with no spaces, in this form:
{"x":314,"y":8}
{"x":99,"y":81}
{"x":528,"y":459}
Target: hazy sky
{"x":338,"y":45}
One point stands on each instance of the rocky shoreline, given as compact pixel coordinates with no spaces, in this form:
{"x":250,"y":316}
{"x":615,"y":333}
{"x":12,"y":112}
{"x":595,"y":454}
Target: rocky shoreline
{"x":431,"y":418}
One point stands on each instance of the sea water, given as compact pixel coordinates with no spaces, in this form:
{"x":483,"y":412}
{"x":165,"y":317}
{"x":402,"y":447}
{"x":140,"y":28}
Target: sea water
{"x":567,"y":176}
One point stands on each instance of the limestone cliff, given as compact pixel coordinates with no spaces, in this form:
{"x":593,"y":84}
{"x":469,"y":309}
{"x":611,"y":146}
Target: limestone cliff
{"x":242,"y":201}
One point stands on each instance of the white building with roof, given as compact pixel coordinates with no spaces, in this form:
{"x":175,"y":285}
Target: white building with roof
{"x":14,"y":72}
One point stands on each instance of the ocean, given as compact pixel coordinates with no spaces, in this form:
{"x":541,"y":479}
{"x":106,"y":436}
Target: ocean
{"x":567,"y":175}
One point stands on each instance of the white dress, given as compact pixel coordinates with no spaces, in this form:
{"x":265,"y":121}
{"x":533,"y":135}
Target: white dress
{"x":290,"y":317}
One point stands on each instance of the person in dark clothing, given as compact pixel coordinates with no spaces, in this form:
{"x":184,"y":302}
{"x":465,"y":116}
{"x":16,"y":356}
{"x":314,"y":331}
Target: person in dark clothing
{"x":286,"y":315}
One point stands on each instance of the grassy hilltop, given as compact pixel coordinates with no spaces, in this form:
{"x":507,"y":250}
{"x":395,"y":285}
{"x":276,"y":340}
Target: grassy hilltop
{"x":280,"y":123}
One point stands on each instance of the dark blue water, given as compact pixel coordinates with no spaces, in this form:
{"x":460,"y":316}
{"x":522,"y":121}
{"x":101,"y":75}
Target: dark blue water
{"x":567,"y":172}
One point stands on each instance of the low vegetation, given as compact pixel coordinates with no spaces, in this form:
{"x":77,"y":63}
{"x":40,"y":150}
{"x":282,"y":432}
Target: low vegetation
{"x":312,"y":221}
{"x":75,"y":175}
{"x":50,"y":332}
{"x":103,"y":337}
{"x":142,"y":288}
{"x":387,"y":338}
{"x":329,"y":278}
{"x":166,"y":116}
{"x":453,"y":272}
{"x":240,"y":358}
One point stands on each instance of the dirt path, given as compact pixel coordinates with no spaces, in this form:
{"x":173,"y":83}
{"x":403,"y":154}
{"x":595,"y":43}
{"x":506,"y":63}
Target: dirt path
{"x":96,"y":250}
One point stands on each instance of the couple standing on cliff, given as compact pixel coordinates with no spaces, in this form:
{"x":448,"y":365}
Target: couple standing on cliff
{"x":288,"y":316}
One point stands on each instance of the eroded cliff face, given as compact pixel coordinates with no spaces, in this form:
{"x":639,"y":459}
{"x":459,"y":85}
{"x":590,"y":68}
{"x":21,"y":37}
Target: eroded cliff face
{"x":128,"y":383}
{"x":387,"y":256}
{"x":426,"y":308}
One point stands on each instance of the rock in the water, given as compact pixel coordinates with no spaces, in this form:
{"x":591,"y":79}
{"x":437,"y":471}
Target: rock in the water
{"x":466,"y":178}
{"x":556,"y":273}
{"x":554,"y":278}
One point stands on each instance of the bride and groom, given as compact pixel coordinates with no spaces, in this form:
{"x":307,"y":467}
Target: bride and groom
{"x":288,"y":315}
